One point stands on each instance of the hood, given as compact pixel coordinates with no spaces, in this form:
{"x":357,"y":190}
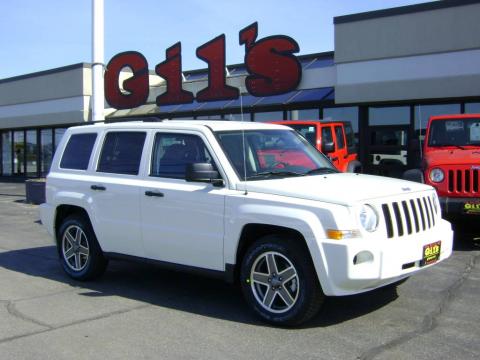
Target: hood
{"x":339,"y":188}
{"x":451,"y":156}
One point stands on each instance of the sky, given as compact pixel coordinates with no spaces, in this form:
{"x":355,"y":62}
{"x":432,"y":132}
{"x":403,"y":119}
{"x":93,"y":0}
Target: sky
{"x":37,"y":35}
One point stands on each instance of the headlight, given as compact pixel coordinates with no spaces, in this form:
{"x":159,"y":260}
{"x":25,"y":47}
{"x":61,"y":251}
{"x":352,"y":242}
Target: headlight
{"x":368,"y":218}
{"x":437,"y":175}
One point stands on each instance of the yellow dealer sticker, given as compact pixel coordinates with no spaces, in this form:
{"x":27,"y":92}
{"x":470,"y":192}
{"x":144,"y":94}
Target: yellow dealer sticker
{"x":472,"y":207}
{"x":431,"y":253}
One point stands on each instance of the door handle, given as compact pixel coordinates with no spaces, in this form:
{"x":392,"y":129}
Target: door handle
{"x":98,"y":187}
{"x":154,"y":193}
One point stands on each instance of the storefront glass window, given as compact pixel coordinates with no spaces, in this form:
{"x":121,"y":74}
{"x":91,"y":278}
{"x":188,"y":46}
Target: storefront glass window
{"x":423,"y":113}
{"x":7,"y":153}
{"x":303,"y":114}
{"x":46,"y":150}
{"x":347,"y":113}
{"x":31,"y":148}
{"x":398,"y":115}
{"x":209,"y":117}
{"x":238,"y":117}
{"x":268,"y":116}
{"x":19,"y":153}
{"x":58,"y":136}
{"x":472,"y":108}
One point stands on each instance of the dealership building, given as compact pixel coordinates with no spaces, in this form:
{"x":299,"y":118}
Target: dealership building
{"x":389,"y":72}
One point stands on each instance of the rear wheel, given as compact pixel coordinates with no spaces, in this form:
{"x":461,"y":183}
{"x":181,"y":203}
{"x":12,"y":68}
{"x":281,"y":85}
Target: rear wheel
{"x":279,"y":281}
{"x":78,"y":248}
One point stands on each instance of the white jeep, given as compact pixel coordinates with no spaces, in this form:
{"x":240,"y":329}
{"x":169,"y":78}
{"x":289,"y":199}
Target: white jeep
{"x":242,"y":201}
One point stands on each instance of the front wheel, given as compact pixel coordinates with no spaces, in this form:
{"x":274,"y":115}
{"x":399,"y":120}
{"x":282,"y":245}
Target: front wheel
{"x":279,"y":282}
{"x":78,"y":248}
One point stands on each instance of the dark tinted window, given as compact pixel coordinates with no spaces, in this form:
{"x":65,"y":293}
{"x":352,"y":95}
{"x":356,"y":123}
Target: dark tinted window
{"x":172,"y":152}
{"x":339,"y":136}
{"x":122,"y":152}
{"x":78,"y":151}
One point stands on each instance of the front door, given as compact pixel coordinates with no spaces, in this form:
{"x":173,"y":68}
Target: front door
{"x":182,"y":222}
{"x":387,"y":150}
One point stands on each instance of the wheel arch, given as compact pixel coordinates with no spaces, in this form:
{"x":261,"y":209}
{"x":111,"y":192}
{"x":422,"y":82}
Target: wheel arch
{"x":64,"y":211}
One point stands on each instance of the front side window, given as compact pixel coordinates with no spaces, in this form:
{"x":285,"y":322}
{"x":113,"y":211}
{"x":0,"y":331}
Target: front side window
{"x":78,"y":151}
{"x":122,"y":152}
{"x":173,"y":151}
{"x":272,"y":153}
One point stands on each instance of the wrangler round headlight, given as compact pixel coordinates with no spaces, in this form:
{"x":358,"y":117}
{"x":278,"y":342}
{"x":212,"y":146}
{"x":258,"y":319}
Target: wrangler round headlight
{"x":368,"y":218}
{"x":437,"y":175}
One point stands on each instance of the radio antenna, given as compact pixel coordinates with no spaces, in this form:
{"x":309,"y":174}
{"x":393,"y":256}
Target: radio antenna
{"x":244,"y":149}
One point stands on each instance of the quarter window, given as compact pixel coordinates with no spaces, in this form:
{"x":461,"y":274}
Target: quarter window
{"x":78,"y":151}
{"x":122,"y":152}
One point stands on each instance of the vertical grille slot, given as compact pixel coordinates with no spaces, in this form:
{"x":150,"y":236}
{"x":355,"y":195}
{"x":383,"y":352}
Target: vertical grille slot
{"x":388,"y":220}
{"x":422,"y":213}
{"x":427,"y":212}
{"x":415,"y":215}
{"x":429,"y":200}
{"x":406,"y":212}
{"x":475,"y":180}
{"x":467,"y":181}
{"x":450,"y":180}
{"x":459,"y":181}
{"x":398,"y":218}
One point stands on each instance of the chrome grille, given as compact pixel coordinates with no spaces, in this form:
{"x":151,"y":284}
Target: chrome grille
{"x":464,"y":181}
{"x":409,"y":216}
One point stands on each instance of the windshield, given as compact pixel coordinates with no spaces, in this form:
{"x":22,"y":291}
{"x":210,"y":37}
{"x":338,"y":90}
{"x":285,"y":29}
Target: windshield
{"x":272,"y":153}
{"x":455,"y":132}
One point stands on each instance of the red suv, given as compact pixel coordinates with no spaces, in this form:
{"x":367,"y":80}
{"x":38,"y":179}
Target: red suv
{"x":334,"y":138}
{"x":451,"y":162}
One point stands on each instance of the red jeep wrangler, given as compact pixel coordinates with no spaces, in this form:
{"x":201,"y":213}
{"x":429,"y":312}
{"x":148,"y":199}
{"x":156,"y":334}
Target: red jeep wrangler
{"x":334,"y":138}
{"x":451,"y":162}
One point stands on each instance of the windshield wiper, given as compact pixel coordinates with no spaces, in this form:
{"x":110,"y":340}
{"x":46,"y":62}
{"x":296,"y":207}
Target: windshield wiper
{"x":267,"y":174}
{"x":322,"y":170}
{"x":455,"y":145}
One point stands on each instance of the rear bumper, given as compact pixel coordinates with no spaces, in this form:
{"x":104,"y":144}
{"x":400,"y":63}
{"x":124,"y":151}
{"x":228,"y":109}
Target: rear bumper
{"x":383,"y":262}
{"x":47,"y":214}
{"x":460,"y":207}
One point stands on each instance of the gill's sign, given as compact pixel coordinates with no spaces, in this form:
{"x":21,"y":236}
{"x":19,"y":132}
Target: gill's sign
{"x":270,"y":62}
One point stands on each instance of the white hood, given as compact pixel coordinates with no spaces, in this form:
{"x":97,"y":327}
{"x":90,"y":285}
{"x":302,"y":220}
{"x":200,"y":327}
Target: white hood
{"x":340,"y":188}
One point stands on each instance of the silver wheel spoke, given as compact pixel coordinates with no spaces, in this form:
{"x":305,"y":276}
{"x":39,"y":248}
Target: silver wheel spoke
{"x":78,"y":235}
{"x":77,"y":262}
{"x":288,"y":274}
{"x":69,"y":238}
{"x":269,"y":297}
{"x":83,"y":250}
{"x":286,"y":297}
{"x":272,"y":265}
{"x":69,"y":253}
{"x":260,"y":278}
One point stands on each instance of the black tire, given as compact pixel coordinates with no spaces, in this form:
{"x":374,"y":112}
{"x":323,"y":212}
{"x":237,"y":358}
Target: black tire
{"x":265,"y":291}
{"x":80,"y":254}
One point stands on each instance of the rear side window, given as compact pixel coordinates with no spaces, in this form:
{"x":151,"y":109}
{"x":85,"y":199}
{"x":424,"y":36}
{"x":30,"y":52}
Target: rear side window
{"x":339,"y":136}
{"x":78,"y":151}
{"x":122,"y":152}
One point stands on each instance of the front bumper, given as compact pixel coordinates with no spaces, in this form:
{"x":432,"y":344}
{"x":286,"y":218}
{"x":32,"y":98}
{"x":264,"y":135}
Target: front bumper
{"x":460,"y":206}
{"x":387,"y":261}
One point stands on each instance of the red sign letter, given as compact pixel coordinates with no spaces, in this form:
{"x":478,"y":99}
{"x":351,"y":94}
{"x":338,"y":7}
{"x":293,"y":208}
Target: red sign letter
{"x":270,"y":62}
{"x":213,"y":53}
{"x":135,"y":88}
{"x":171,"y":71}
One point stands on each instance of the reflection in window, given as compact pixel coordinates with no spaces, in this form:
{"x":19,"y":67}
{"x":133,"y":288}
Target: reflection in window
{"x":46,"y":140}
{"x":268,"y":116}
{"x":58,"y":136}
{"x":349,"y":113}
{"x":472,"y":108}
{"x":423,"y":113}
{"x":31,"y":152}
{"x":19,"y":153}
{"x":7,"y":153}
{"x":304,"y":114}
{"x":398,"y":115}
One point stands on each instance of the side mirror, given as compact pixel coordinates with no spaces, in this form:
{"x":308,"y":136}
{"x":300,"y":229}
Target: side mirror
{"x":328,"y":147}
{"x":202,"y":172}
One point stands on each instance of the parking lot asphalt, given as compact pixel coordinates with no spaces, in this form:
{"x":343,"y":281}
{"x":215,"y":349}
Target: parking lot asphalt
{"x":142,"y":312}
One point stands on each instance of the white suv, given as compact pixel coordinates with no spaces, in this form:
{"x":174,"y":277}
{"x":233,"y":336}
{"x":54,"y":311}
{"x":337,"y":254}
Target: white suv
{"x":242,"y":201}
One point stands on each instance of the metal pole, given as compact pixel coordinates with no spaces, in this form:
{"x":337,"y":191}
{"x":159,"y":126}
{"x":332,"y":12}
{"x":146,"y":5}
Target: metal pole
{"x":97,"y":60}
